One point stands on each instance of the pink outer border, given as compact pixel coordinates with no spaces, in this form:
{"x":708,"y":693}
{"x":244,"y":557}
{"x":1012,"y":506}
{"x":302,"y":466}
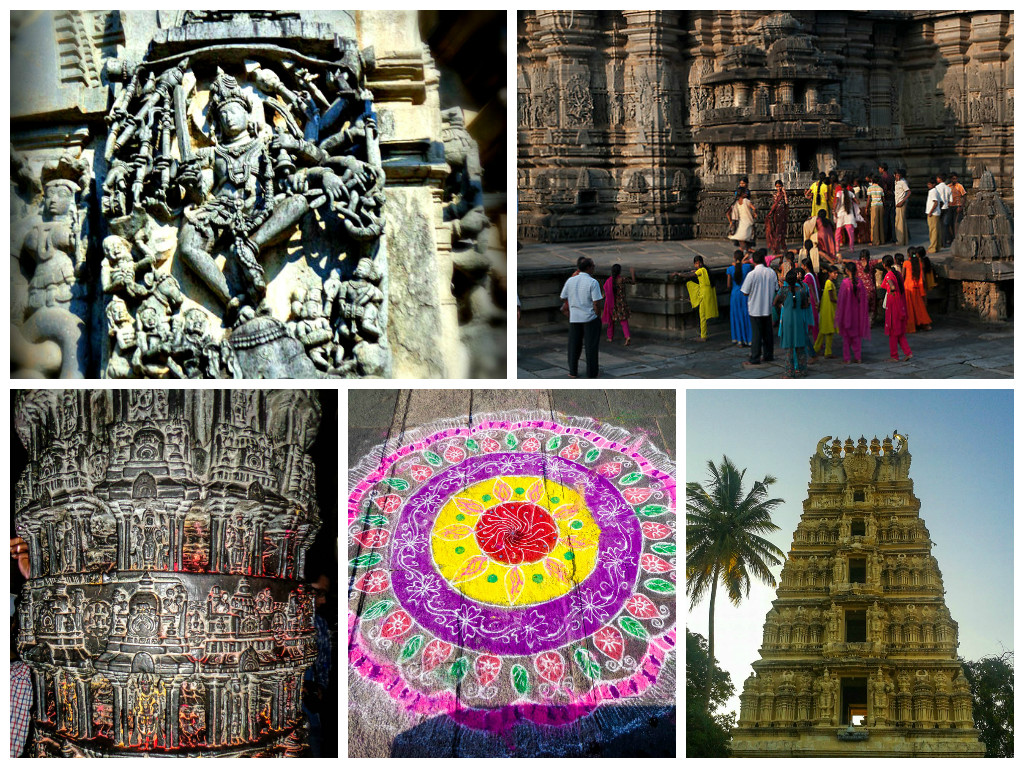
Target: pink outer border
{"x":501,"y":719}
{"x":357,"y":493}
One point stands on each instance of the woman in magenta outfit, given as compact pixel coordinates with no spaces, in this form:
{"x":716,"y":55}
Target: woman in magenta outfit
{"x":866,"y":275}
{"x":852,"y":318}
{"x":616,"y":309}
{"x":895,"y":311}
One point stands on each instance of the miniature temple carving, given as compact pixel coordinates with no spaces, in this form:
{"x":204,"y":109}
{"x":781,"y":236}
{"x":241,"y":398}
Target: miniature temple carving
{"x":167,"y":532}
{"x":859,"y":634}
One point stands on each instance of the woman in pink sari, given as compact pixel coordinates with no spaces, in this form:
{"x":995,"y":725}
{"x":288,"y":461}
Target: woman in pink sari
{"x":616,"y":310}
{"x":895,"y":311}
{"x":852,"y":318}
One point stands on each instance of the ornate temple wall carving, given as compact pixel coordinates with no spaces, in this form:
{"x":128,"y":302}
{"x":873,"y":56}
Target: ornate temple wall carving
{"x":638,"y":124}
{"x":167,"y":533}
{"x":203,"y":194}
{"x":859,"y":627}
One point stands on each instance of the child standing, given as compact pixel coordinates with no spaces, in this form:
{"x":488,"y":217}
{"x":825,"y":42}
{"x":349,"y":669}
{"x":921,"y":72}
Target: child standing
{"x":827,"y":313}
{"x":702,"y":295}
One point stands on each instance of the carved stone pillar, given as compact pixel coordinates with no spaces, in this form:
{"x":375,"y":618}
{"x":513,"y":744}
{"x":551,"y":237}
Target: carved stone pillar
{"x":132,"y":647}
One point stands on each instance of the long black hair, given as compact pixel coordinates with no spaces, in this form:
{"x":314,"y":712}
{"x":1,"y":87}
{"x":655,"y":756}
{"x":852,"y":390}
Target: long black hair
{"x":616,"y":270}
{"x":850,"y":267}
{"x":915,"y":266}
{"x":791,"y":280}
{"x":737,"y":266}
{"x":887,"y":262}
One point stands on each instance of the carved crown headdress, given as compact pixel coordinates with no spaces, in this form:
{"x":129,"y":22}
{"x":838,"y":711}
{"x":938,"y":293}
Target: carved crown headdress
{"x":225,"y":90}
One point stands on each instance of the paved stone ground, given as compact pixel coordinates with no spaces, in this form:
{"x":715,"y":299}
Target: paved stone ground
{"x":955,"y":349}
{"x":378,"y":726}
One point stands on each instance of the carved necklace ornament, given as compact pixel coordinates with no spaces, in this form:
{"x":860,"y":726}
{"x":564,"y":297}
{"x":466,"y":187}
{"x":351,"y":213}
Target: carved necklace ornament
{"x":519,"y":560}
{"x":163,"y":614}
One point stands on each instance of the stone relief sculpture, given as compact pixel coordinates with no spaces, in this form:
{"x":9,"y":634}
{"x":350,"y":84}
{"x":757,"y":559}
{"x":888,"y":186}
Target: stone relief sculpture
{"x":164,"y":613}
{"x":48,"y":268}
{"x":236,"y":153}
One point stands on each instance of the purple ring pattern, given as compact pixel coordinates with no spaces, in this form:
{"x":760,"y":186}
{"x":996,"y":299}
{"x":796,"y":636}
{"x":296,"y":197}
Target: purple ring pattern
{"x":453,"y":617}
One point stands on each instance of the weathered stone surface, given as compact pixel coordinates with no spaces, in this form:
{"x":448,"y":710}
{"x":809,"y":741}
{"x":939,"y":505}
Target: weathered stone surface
{"x":859,"y":628}
{"x":638,"y":124}
{"x":167,"y":533}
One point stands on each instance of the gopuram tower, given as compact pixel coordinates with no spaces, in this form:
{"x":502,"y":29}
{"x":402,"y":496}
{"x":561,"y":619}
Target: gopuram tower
{"x":859,"y":650}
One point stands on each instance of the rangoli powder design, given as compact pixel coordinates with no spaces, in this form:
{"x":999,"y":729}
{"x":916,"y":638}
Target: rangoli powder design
{"x":518,"y":568}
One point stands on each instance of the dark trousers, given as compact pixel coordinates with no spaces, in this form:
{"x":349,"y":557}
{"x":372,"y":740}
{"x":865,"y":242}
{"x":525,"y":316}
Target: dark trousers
{"x":762,"y":339}
{"x":890,"y":221}
{"x":584,"y":336}
{"x":947,"y":227}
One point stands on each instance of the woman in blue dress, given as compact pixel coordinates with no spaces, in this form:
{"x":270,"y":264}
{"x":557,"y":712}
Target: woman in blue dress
{"x":739,"y":318}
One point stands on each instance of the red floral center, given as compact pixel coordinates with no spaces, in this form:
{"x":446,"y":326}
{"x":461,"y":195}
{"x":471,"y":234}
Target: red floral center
{"x":516,"y":532}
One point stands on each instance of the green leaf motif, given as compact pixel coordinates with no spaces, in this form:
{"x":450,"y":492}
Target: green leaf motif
{"x":459,"y":668}
{"x":585,"y":661}
{"x":633,"y":627}
{"x":631,"y":478}
{"x":376,"y":610}
{"x":660,"y":585}
{"x":411,"y":648}
{"x":510,"y":440}
{"x":374,"y":521}
{"x":397,"y":483}
{"x":664,"y":548}
{"x":432,"y":458}
{"x":365,"y":561}
{"x":592,"y":455}
{"x":473,"y":445}
{"x":520,"y":679}
{"x":553,"y":444}
{"x":652,"y":510}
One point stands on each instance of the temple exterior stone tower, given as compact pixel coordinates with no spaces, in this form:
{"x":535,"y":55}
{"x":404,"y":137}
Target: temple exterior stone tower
{"x":859,"y":650}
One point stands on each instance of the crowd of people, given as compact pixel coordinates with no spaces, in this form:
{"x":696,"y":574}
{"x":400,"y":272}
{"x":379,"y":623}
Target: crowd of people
{"x":805,"y":297}
{"x":806,"y":309}
{"x":867,"y":210}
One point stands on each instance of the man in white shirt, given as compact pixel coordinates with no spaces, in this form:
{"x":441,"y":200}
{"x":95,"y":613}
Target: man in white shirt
{"x":902,"y":196}
{"x":582,"y":292}
{"x":759,"y":287}
{"x":933,"y":212}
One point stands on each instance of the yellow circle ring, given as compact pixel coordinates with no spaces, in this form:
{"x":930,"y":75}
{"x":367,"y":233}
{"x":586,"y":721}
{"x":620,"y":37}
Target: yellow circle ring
{"x":464,"y":565}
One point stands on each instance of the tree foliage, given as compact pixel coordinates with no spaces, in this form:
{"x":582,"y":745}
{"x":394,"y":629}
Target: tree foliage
{"x":707,"y":734}
{"x":723,"y":541}
{"x":991,"y":681}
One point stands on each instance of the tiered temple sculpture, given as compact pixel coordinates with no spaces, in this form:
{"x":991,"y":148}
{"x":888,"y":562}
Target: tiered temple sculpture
{"x":859,"y":651}
{"x":167,"y":533}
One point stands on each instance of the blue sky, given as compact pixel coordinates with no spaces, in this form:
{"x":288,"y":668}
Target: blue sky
{"x":961,"y":444}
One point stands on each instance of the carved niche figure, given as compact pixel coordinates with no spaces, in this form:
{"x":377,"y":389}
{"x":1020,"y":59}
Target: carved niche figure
{"x":48,"y":286}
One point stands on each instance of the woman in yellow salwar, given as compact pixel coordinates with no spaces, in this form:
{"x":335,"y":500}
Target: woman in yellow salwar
{"x":702,"y":295}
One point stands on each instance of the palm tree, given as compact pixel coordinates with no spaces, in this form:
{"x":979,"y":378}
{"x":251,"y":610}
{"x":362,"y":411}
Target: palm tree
{"x":723,"y":541}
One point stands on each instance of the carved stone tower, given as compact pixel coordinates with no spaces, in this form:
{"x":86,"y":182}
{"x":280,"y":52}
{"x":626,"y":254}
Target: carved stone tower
{"x":859,"y":649}
{"x":167,"y":533}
